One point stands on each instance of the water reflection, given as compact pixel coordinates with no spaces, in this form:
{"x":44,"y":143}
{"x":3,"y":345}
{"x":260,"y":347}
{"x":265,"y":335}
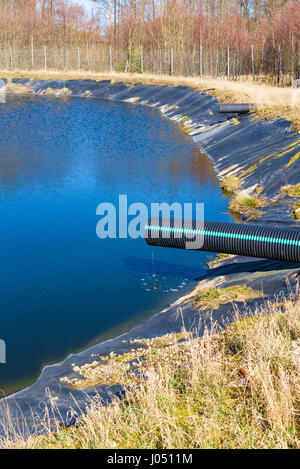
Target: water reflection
{"x":61,"y":287}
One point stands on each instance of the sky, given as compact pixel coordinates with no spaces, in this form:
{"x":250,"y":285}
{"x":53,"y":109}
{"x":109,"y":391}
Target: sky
{"x":87,"y":4}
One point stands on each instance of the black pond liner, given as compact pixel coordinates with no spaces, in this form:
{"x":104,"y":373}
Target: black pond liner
{"x":262,"y":241}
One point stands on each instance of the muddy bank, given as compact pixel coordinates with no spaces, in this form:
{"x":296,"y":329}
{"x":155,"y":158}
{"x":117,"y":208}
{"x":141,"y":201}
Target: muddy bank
{"x":260,"y":153}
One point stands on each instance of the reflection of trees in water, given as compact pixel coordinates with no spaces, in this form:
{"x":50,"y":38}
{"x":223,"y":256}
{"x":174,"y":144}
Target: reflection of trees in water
{"x":44,"y":141}
{"x":32,"y":147}
{"x":155,"y":157}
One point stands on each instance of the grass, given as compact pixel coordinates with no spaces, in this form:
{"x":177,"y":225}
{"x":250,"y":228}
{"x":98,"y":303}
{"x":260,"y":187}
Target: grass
{"x":186,"y":129}
{"x":212,"y":298}
{"x":271,"y":101}
{"x":290,"y":190}
{"x":243,"y":202}
{"x":18,"y":88}
{"x":293,"y":191}
{"x":254,"y":214}
{"x":239,"y":388}
{"x":230,"y":184}
{"x":119,"y":369}
{"x":221,"y":257}
{"x":296,"y":211}
{"x":290,"y":112}
{"x":64,"y":91}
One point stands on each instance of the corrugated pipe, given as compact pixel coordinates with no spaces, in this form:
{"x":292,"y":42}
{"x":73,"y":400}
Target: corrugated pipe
{"x":238,"y":108}
{"x":260,"y":241}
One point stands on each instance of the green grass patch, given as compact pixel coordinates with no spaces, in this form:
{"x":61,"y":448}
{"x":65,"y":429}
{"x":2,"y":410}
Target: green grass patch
{"x":212,"y":298}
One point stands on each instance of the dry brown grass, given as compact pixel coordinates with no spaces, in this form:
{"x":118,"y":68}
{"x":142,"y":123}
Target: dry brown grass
{"x":61,"y":91}
{"x":296,"y":210}
{"x":272,"y":101}
{"x":291,"y":190}
{"x":246,"y":203}
{"x":16,"y":88}
{"x":230,"y":184}
{"x":239,"y":388}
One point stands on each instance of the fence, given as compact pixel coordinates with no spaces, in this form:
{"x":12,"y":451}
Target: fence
{"x":273,"y":65}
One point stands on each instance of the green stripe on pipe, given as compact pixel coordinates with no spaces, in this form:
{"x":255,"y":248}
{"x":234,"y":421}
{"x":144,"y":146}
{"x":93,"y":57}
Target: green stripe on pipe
{"x":224,"y":235}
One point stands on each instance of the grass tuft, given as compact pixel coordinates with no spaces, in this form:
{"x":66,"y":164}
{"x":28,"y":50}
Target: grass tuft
{"x":212,"y":298}
{"x":230,"y":184}
{"x":186,"y":129}
{"x":292,"y":191}
{"x":58,"y":92}
{"x":296,"y":210}
{"x":244,"y":202}
{"x":221,"y":257}
{"x":18,"y":88}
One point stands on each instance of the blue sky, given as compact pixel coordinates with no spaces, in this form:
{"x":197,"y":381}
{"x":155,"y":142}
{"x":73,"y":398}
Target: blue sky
{"x":87,"y":4}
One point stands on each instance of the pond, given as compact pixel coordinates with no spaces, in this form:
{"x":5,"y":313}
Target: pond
{"x":63,"y":289}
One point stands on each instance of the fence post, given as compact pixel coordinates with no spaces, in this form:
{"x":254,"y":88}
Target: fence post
{"x":45,"y":57}
{"x":228,"y":63}
{"x":172,"y":60}
{"x":252,"y":61}
{"x":142,"y":60}
{"x":32,"y":54}
{"x":201,"y":60}
{"x":78,"y":54}
{"x":88,"y":57}
{"x":278,"y":66}
{"x":11,"y":58}
{"x":64,"y":57}
{"x":110,"y":59}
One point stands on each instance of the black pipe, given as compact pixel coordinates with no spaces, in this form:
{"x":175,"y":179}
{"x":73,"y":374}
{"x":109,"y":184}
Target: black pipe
{"x":262,"y":241}
{"x":240,"y":108}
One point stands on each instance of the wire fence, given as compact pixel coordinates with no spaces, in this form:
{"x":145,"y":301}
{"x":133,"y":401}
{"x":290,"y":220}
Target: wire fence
{"x":275,"y":66}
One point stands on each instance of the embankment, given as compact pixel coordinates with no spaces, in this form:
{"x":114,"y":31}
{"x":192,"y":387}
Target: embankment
{"x":262,"y":156}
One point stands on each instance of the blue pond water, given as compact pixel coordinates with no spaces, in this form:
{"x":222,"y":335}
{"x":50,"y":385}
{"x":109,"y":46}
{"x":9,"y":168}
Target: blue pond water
{"x":61,"y":287}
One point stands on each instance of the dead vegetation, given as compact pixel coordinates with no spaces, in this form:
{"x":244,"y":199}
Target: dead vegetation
{"x":248,"y":203}
{"x":238,"y":388}
{"x":230,"y":184}
{"x":296,"y":210}
{"x":212,"y":298}
{"x":57,"y":92}
{"x":291,"y":190}
{"x":17,"y":88}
